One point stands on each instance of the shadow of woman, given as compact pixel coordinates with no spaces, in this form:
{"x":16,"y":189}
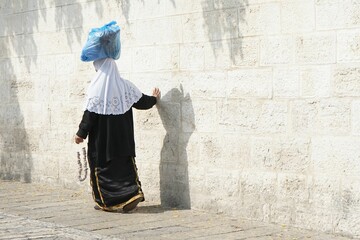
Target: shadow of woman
{"x":177,"y":116}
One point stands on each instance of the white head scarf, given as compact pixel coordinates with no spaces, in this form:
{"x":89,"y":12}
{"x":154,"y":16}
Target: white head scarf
{"x":108,"y":93}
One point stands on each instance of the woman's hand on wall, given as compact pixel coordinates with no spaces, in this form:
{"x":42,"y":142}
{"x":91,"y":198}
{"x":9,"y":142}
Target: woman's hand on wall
{"x":156,"y":93}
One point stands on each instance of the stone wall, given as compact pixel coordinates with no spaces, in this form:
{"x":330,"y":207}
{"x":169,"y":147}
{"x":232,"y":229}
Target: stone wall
{"x":260,"y":115}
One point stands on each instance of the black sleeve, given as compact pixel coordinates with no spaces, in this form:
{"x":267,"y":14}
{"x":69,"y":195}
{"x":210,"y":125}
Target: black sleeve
{"x":86,"y":124}
{"x":145,"y":102}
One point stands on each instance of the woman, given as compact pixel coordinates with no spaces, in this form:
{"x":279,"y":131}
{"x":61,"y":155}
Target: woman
{"x":108,"y":120}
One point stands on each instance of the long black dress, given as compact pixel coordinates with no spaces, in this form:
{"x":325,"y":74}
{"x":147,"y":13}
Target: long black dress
{"x":111,"y":155}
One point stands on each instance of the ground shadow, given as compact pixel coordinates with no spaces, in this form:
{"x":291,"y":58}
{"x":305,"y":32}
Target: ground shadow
{"x":153,"y":209}
{"x":177,"y":116}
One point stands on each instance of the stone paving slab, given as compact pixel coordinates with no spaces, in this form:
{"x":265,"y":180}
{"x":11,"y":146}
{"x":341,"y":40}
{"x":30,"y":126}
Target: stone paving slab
{"x":32,"y":211}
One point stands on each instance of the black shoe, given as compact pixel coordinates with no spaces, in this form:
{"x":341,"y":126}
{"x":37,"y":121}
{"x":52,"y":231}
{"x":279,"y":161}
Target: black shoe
{"x":131,"y":206}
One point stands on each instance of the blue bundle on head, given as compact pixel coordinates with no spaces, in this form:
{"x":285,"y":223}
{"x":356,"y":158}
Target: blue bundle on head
{"x":103,"y":42}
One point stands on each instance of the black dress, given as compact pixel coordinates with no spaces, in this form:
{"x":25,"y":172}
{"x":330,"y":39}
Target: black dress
{"x":111,"y":155}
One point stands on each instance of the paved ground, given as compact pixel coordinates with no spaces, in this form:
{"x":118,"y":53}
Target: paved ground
{"x":31,"y":211}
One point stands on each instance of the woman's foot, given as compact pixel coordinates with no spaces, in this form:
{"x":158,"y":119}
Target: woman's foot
{"x":132,"y":205}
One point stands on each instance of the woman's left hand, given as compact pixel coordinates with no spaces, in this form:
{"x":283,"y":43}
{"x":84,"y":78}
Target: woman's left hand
{"x":78,"y":139}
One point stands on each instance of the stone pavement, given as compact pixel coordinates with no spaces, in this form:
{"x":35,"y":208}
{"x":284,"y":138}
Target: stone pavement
{"x":32,"y":211}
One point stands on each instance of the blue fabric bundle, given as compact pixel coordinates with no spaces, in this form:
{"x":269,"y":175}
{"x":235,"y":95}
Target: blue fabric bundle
{"x":103,"y":42}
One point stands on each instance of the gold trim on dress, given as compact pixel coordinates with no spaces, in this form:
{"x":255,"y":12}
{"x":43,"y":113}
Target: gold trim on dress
{"x":98,"y":187}
{"x":121,"y":205}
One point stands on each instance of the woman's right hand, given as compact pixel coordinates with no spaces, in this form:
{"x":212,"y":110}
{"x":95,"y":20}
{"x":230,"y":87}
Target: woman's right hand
{"x":156,"y":93}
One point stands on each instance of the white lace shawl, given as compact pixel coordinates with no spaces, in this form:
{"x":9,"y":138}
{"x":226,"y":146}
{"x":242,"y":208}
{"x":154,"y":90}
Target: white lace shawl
{"x":108,"y":93}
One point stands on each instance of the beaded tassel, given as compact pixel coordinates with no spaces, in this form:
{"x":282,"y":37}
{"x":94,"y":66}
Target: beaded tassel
{"x":82,"y":167}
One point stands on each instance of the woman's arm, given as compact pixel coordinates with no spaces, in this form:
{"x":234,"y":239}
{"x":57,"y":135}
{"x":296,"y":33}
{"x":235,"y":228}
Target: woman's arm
{"x":85,"y":126}
{"x":147,"y":102}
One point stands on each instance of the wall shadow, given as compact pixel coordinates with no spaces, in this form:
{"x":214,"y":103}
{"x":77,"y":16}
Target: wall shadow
{"x":19,"y":53}
{"x":221,"y":21}
{"x":177,"y":116}
{"x":225,"y":23}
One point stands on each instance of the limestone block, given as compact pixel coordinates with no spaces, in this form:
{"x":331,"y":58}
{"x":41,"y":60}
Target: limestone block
{"x":325,"y":192}
{"x":43,"y":43}
{"x":224,"y":4}
{"x":245,"y":51}
{"x":145,"y":145}
{"x":143,"y":59}
{"x":282,"y":154}
{"x":169,"y":31}
{"x":287,"y":82}
{"x":204,"y":116}
{"x":218,"y":55}
{"x":236,"y":150}
{"x":210,"y":150}
{"x":258,"y":188}
{"x":316,"y":81}
{"x":192,"y":57}
{"x":6,"y":49}
{"x":167,"y":57}
{"x":5,"y":91}
{"x":330,"y":116}
{"x":337,"y":155}
{"x":77,"y":88}
{"x":337,"y":14}
{"x":202,"y":85}
{"x":69,"y":16}
{"x":297,"y":16}
{"x":35,"y":115}
{"x":59,"y":88}
{"x":3,"y":27}
{"x":68,"y":166}
{"x":249,"y":83}
{"x":189,"y":150}
{"x":225,"y":183}
{"x":143,"y":10}
{"x":188,"y":120}
{"x":46,"y":168}
{"x":277,"y":50}
{"x":293,"y":189}
{"x":193,"y":28}
{"x":346,"y":80}
{"x":65,"y":64}
{"x":40,"y":21}
{"x":6,"y":7}
{"x":348,"y":45}
{"x":11,"y":116}
{"x":349,"y":222}
{"x":273,"y":117}
{"x":355,"y":118}
{"x":64,"y":114}
{"x":35,"y":5}
{"x":166,"y":116}
{"x":15,"y":24}
{"x":314,"y":219}
{"x":187,"y":6}
{"x":239,"y":116}
{"x":164,"y":80}
{"x":221,"y":24}
{"x":316,"y":48}
{"x":259,"y":20}
{"x":22,"y":90}
{"x":251,"y":117}
{"x":124,"y":63}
